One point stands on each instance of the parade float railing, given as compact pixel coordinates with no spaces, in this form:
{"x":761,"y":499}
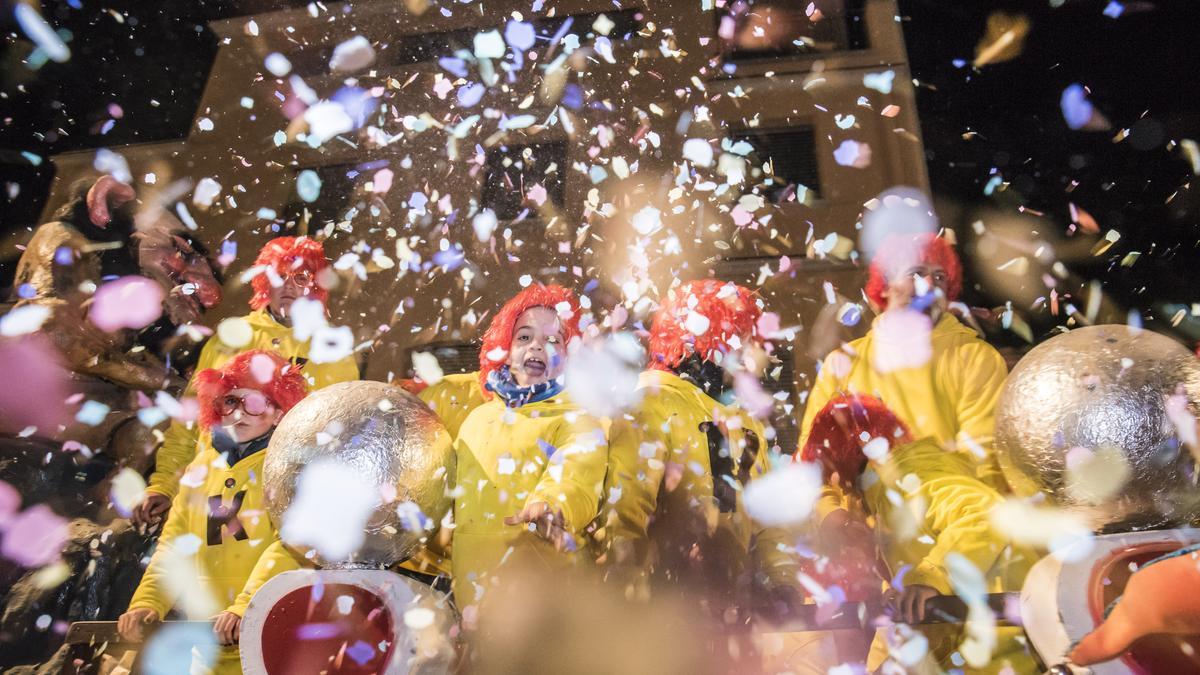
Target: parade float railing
{"x":89,"y":641}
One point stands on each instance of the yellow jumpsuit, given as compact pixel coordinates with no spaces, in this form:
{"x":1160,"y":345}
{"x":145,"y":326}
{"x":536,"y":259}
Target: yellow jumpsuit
{"x":217,"y":530}
{"x":926,"y":506}
{"x":453,"y":398}
{"x":549,"y":451}
{"x":951,"y":399}
{"x":179,"y":442}
{"x":660,"y":503}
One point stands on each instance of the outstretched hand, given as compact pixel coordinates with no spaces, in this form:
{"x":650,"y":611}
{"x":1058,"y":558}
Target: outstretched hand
{"x":545,"y":523}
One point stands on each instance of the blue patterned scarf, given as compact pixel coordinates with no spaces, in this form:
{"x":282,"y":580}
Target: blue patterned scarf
{"x":501,"y":382}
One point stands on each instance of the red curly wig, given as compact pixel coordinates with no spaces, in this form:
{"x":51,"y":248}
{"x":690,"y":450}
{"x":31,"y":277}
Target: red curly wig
{"x":730,"y":314}
{"x":288,"y":254}
{"x":285,"y":388}
{"x":905,"y":250}
{"x":499,"y":333}
{"x":836,"y":439}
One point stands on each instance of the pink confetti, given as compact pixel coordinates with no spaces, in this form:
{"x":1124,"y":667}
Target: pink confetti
{"x":902,"y":340}
{"x":751,"y":395}
{"x":741,"y":217}
{"x":129,"y":302}
{"x":262,"y":368}
{"x":537,"y":195}
{"x":768,"y":324}
{"x":45,"y":385}
{"x":383,"y":181}
{"x":35,"y":537}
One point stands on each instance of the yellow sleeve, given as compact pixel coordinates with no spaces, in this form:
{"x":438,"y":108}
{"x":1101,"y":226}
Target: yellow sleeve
{"x":980,"y":377}
{"x":823,"y":390}
{"x":958,"y":517}
{"x":154,"y":590}
{"x":275,"y":559}
{"x":574,"y":479}
{"x":180,"y":440}
{"x":636,"y":464}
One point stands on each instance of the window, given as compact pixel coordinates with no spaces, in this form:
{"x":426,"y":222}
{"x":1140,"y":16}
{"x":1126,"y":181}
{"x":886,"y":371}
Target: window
{"x":790,"y":157}
{"x":453,"y":357}
{"x":337,"y":195}
{"x":768,"y":29}
{"x":512,"y":170}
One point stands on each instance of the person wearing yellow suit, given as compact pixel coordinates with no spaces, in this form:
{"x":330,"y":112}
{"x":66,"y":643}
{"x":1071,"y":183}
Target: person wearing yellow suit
{"x":453,"y":398}
{"x":292,"y":269}
{"x":530,"y":463}
{"x":950,"y":396}
{"x":673,"y":508}
{"x":218,"y":526}
{"x":930,"y":514}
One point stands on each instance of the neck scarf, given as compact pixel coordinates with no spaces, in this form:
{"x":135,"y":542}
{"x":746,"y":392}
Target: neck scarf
{"x":501,"y":382}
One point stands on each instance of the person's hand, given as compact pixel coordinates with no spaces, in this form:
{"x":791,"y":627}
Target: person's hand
{"x":546,"y":523}
{"x":909,"y":606}
{"x":228,"y":628}
{"x":132,"y":624}
{"x":150,"y":511}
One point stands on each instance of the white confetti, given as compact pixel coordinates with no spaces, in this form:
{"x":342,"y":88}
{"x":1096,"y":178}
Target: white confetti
{"x":336,"y":533}
{"x":235,"y":332}
{"x":41,"y":33}
{"x":128,"y":489}
{"x":602,"y":377}
{"x":351,"y":55}
{"x":23,"y":320}
{"x":331,"y":344}
{"x":206,"y":192}
{"x":426,"y":366}
{"x":785,"y":495}
{"x":327,"y":119}
{"x":278,"y":64}
{"x":489,"y":45}
{"x":696,"y":323}
{"x":698,"y":151}
{"x":647,"y":221}
{"x":902,"y":340}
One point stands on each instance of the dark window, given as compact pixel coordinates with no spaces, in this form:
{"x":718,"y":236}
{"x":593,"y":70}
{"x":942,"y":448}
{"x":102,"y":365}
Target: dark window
{"x":790,"y":155}
{"x":513,"y":169}
{"x":336,"y":198}
{"x":769,"y":29}
{"x":453,"y":357}
{"x":428,"y":47}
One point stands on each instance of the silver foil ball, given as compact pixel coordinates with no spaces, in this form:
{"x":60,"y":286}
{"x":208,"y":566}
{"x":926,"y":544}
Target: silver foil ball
{"x":390,"y":437}
{"x":1102,"y":388}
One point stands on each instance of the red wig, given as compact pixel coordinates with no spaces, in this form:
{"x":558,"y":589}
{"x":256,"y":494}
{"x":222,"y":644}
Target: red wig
{"x":732,"y":312}
{"x":899,"y":252}
{"x":284,"y":255}
{"x":843,"y":427}
{"x":284,"y":388}
{"x":499,"y":334}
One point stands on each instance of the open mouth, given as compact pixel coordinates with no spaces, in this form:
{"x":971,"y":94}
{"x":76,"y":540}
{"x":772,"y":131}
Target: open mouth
{"x":535,"y":367}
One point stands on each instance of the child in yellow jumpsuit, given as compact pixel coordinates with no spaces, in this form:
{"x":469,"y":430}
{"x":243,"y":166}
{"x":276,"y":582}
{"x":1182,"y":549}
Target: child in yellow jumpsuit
{"x":218,"y":526}
{"x":529,"y":461}
{"x":673,"y":506}
{"x":927,"y":507}
{"x":293,"y":267}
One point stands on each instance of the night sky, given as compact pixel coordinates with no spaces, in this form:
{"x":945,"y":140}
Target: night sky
{"x":1140,"y":67}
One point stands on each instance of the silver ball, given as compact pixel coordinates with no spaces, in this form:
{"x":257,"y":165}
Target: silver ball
{"x":390,"y":437}
{"x":1104,"y":389}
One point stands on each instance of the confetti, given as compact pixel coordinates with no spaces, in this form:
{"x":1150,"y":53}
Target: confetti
{"x":129,"y":302}
{"x":41,"y":33}
{"x":785,"y":495}
{"x":426,"y":366}
{"x":35,"y":537}
{"x":351,"y":55}
{"x":309,"y":522}
{"x":23,"y":320}
{"x":853,"y":153}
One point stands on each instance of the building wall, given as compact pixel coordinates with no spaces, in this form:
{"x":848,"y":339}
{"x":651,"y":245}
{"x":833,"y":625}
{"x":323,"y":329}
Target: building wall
{"x":672,"y":65}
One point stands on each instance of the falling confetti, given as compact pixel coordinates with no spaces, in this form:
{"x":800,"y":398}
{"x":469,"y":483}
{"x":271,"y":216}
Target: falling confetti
{"x":129,"y":302}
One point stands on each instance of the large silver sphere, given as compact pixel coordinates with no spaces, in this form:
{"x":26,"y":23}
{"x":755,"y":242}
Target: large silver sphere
{"x":390,"y":438}
{"x":1103,"y":389}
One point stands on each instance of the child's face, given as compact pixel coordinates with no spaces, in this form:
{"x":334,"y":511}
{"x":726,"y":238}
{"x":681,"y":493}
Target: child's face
{"x":247,"y":414}
{"x":537,"y":353}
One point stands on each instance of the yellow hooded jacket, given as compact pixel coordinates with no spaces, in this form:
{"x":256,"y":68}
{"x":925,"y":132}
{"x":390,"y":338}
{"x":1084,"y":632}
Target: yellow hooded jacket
{"x":453,"y":398}
{"x":660,"y":484}
{"x":179,"y":442}
{"x":213,"y":538}
{"x":951,"y":399}
{"x":926,"y":506}
{"x":549,"y":451}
